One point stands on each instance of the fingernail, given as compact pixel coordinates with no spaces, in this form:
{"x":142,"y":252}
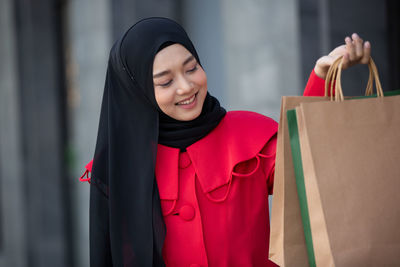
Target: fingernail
{"x":367,"y":44}
{"x":347,"y":39}
{"x":354,"y":35}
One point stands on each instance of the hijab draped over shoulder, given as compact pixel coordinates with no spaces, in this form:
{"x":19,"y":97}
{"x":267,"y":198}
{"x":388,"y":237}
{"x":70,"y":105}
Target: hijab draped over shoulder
{"x":126,"y":223}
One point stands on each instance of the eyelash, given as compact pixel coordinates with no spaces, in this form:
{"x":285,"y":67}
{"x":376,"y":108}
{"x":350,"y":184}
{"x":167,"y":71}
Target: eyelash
{"x":166,"y":84}
{"x":170,"y":81}
{"x":193,"y":69}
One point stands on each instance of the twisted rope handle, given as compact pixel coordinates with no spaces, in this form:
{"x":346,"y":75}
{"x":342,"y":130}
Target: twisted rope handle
{"x":333,"y":82}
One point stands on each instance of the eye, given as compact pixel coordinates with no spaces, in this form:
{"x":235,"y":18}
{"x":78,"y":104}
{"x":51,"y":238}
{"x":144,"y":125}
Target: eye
{"x":166,"y":84}
{"x":193,"y":69}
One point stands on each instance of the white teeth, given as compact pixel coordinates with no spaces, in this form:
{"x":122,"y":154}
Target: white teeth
{"x":187,"y":101}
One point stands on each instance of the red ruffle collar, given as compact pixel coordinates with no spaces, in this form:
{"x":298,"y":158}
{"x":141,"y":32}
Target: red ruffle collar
{"x":240,"y":136}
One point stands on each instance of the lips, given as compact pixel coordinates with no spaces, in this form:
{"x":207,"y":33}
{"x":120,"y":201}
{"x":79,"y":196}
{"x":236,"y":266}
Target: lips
{"x":187,"y":101}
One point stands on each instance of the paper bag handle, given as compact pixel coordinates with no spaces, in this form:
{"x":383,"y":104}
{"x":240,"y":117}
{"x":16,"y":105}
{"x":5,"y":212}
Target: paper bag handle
{"x":333,"y":80}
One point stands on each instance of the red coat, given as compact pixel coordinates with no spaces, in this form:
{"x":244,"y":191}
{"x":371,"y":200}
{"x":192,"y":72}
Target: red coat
{"x":214,"y":197}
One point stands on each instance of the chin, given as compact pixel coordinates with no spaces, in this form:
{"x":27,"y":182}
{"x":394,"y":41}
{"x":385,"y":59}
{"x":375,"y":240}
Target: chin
{"x":189,"y":117}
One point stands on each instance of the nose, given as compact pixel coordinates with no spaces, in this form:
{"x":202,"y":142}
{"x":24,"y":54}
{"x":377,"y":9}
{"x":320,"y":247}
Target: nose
{"x":184,"y":86}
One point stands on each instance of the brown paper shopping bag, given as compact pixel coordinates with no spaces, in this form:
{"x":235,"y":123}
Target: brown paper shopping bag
{"x":350,"y":152}
{"x":287,"y":244}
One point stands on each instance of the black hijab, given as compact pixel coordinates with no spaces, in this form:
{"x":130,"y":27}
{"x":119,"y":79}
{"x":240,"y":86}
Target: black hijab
{"x":126,"y":224}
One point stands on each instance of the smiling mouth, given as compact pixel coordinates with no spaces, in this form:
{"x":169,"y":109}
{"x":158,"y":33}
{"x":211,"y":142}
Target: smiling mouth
{"x":188,"y":101}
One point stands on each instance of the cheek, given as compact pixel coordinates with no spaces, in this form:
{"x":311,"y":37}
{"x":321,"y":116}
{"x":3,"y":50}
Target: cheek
{"x":201,"y":79}
{"x":164,"y":97}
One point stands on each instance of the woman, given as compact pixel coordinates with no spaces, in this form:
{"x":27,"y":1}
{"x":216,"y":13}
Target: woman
{"x":177,"y":180}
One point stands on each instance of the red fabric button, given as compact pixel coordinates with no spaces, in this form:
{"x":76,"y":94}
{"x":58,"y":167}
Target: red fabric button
{"x":195,"y":265}
{"x":187,"y":212}
{"x":184,"y":160}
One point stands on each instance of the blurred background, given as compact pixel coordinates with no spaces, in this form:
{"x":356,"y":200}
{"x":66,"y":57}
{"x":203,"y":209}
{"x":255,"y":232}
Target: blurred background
{"x":53,"y":58}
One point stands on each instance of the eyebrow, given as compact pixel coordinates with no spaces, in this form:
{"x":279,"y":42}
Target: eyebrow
{"x":190,"y":58}
{"x":158,"y":75}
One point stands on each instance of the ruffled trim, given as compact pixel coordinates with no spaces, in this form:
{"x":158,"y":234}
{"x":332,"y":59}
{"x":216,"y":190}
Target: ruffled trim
{"x":239,"y":137}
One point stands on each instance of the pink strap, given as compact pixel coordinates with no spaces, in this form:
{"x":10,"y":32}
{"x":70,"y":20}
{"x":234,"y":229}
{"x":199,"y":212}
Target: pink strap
{"x":87,"y":172}
{"x":89,"y":166}
{"x":85,"y":179}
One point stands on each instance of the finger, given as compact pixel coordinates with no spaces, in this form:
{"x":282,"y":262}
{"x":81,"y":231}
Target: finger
{"x":358,"y":44}
{"x":346,"y":61}
{"x":367,"y":53}
{"x":350,"y":48}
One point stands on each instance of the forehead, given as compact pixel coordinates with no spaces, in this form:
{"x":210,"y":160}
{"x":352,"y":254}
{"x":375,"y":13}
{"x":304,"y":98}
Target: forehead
{"x":170,"y":56}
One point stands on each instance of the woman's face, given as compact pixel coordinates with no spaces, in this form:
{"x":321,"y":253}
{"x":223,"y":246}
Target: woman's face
{"x":180,"y":83}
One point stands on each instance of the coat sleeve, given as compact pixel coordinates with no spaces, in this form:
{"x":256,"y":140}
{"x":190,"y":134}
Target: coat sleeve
{"x":315,"y":86}
{"x":100,"y":251}
{"x":267,"y":156}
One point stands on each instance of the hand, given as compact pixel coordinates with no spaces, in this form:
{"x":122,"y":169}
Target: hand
{"x":355,"y":51}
